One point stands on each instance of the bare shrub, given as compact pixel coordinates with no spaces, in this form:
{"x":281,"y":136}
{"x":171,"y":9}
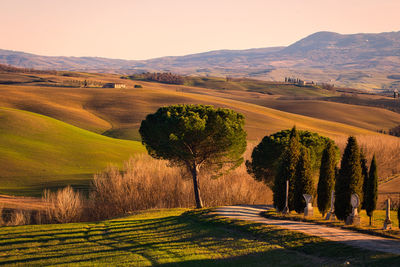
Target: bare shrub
{"x":1,"y":215}
{"x":149,"y":183}
{"x":19,"y":217}
{"x":64,"y":206}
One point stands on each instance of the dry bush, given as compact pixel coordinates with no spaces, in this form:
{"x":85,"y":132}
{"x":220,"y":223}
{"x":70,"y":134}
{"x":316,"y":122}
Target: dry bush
{"x":64,"y":206}
{"x":386,"y":148}
{"x":149,"y":183}
{"x":1,"y":216}
{"x":20,"y":217}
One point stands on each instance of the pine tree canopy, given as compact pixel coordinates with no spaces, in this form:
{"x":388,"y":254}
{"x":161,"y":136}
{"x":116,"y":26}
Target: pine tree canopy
{"x":196,"y":137}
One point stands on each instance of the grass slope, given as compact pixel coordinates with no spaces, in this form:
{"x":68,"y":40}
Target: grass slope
{"x":370,"y":118}
{"x":175,"y":238}
{"x":118,"y":112}
{"x":38,"y":152}
{"x":252,"y":85}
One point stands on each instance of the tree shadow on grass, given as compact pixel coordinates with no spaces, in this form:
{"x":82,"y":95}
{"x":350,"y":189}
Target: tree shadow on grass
{"x":194,"y":239}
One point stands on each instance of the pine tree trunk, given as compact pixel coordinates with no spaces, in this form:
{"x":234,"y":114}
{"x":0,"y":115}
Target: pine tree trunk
{"x":199,"y":202}
{"x":370,"y":220}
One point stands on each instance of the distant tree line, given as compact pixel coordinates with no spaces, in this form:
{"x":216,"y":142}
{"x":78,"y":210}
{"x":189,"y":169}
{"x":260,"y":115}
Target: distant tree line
{"x":395,"y":131}
{"x":11,"y":69}
{"x":327,"y":86}
{"x":162,"y":77}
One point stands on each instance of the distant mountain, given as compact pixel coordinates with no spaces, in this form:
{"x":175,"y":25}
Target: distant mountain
{"x":333,"y":50}
{"x":359,"y":60}
{"x":26,"y":60}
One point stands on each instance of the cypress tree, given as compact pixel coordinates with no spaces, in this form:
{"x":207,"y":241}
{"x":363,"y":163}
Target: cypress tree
{"x":304,"y":183}
{"x":327,"y":178}
{"x":398,"y":215}
{"x":349,"y":180}
{"x":364,"y":172}
{"x":286,"y":171}
{"x":371,"y":194}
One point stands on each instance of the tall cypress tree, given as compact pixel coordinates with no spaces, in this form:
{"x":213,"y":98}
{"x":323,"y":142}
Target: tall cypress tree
{"x":398,"y":215}
{"x":364,"y":172}
{"x":286,"y":171}
{"x":327,"y":178}
{"x":349,"y":180}
{"x":304,"y":183}
{"x":371,"y":194}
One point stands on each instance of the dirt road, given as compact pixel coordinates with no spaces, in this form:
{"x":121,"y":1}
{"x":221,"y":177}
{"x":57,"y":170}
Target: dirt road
{"x":251,"y":213}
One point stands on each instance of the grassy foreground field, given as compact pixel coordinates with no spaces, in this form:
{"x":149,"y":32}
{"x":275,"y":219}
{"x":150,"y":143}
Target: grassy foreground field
{"x":175,"y":237}
{"x":38,"y":151}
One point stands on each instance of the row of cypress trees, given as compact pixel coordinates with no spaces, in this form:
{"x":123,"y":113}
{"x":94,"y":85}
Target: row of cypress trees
{"x":352,"y":177}
{"x":295,"y":166}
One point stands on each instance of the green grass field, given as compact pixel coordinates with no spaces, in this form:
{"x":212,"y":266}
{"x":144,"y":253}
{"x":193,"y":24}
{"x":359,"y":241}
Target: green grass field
{"x":40,"y":152}
{"x":175,"y":237}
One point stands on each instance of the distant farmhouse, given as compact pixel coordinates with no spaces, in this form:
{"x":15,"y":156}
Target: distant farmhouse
{"x":114,"y":85}
{"x":298,"y":81}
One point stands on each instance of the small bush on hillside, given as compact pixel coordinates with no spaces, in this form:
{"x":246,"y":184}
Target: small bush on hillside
{"x":19,"y":217}
{"x":64,"y":206}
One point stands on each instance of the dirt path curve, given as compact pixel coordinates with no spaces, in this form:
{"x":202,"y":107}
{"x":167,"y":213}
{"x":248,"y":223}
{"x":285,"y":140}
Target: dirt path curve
{"x":251,"y":213}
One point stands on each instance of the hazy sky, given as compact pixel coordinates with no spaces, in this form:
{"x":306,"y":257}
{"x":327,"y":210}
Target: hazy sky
{"x":132,"y":29}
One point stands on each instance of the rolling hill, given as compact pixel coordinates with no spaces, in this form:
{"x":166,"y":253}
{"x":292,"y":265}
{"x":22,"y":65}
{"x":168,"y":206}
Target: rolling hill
{"x":40,"y":152}
{"x":118,"y":112}
{"x":366,"y":61}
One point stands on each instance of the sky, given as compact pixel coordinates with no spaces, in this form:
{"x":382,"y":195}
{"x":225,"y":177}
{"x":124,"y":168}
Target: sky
{"x":132,"y":29}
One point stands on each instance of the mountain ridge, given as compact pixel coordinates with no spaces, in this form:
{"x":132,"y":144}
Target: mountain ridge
{"x":322,"y":56}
